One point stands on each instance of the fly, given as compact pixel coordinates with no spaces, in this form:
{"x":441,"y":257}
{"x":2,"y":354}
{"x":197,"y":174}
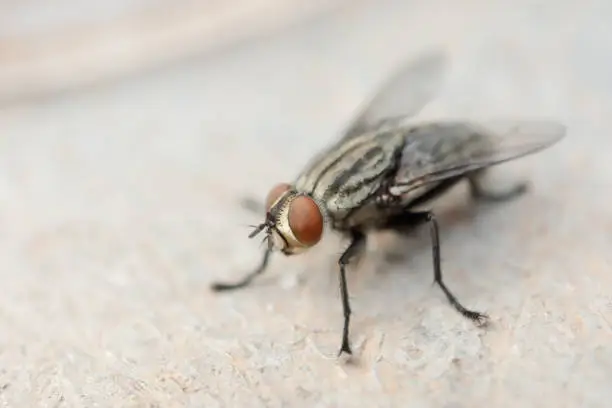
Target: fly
{"x":382,"y":167}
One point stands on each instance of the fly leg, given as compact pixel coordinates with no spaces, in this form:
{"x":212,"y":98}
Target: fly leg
{"x":413,"y":219}
{"x":480,"y":192}
{"x":221,"y":286}
{"x":358,"y":240}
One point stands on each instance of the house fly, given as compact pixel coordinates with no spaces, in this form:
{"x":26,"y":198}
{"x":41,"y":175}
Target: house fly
{"x":382,"y":167}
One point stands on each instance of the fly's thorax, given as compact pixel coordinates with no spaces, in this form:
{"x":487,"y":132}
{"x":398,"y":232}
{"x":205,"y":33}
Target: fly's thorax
{"x":295,"y":220}
{"x":347,"y":175}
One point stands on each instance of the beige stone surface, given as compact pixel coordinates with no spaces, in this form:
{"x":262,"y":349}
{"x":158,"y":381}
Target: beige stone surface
{"x":119,"y":206}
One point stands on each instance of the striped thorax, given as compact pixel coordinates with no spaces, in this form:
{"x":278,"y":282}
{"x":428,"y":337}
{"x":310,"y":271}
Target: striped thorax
{"x":350,"y":174}
{"x":331,"y":190}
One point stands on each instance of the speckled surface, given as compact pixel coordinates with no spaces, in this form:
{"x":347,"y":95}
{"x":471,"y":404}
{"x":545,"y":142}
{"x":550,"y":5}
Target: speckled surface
{"x":119,"y":206}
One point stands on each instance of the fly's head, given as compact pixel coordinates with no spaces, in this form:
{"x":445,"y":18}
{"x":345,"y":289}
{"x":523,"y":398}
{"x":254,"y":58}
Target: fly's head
{"x":294,"y":221}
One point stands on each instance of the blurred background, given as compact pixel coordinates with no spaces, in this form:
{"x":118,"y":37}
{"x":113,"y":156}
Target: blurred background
{"x":51,"y":47}
{"x":131,"y":131}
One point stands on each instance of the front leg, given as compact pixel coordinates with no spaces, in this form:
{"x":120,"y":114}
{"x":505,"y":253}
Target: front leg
{"x":246,"y":279}
{"x":358,"y":241}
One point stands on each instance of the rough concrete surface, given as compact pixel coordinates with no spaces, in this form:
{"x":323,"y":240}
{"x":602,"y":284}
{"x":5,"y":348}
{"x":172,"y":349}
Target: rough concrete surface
{"x":119,"y":206}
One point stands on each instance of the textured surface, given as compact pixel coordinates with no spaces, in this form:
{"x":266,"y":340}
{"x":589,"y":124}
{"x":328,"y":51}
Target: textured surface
{"x":119,"y":206}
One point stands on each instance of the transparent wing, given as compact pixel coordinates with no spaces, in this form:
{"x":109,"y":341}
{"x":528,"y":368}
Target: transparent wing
{"x":404,"y":94}
{"x":442,"y":150}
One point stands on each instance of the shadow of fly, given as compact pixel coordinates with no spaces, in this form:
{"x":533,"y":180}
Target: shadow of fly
{"x":382,"y":167}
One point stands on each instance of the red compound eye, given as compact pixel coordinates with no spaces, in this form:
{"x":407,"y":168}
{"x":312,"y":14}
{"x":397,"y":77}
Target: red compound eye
{"x":274,"y":194}
{"x":306,"y":220}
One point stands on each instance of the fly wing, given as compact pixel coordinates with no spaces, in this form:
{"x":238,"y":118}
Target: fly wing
{"x":442,"y":150}
{"x":403,"y":95}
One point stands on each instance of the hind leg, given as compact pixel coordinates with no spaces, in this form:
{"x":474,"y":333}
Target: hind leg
{"x":410,"y":219}
{"x":480,"y":191}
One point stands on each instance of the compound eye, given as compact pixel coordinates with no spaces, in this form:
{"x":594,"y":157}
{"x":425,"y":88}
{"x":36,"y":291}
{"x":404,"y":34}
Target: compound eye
{"x":306,"y":220}
{"x":274,"y":194}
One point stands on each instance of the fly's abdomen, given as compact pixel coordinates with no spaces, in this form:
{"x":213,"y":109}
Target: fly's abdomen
{"x":433,"y":146}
